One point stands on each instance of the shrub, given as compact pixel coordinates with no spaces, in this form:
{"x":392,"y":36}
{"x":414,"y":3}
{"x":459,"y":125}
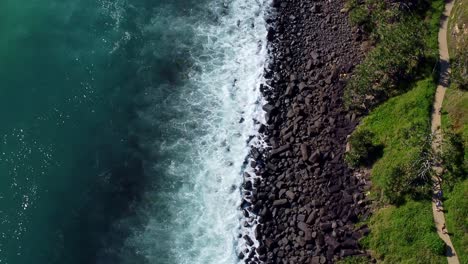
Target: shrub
{"x":367,"y":14}
{"x":406,"y":46}
{"x":359,"y":16}
{"x":395,"y":59}
{"x":459,"y":64}
{"x":361,"y":148}
{"x":396,"y":184}
{"x":453,"y":158}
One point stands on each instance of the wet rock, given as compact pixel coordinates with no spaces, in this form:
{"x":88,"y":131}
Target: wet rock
{"x":248,"y":240}
{"x":280,"y":149}
{"x":271,"y":34}
{"x":268,"y":108}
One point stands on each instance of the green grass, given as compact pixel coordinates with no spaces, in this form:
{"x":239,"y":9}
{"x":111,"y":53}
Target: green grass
{"x":400,"y":67}
{"x":405,"y":234}
{"x":455,"y":106}
{"x":455,"y":157}
{"x":455,"y":148}
{"x":456,"y":216}
{"x":433,"y":15}
{"x":354,"y":260}
{"x":401,"y":126}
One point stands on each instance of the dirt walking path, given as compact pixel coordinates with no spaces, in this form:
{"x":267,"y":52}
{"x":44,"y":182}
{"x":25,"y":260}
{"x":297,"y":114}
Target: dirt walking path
{"x":439,"y":218}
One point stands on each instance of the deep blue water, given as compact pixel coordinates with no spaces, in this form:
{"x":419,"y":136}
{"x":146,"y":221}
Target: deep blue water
{"x":120,"y":133}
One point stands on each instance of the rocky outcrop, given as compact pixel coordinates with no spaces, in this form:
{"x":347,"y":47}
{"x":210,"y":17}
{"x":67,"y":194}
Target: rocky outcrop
{"x":303,"y":196}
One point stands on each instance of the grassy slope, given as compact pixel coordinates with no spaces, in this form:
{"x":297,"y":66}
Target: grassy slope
{"x":400,"y":125}
{"x":403,"y":234}
{"x":354,"y":260}
{"x":455,"y":119}
{"x":456,"y":101}
{"x":456,"y":217}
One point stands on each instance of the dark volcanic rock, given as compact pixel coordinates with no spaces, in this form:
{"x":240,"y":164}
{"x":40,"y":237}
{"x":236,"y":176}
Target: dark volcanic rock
{"x":306,"y":198}
{"x":280,"y":202}
{"x":248,"y":240}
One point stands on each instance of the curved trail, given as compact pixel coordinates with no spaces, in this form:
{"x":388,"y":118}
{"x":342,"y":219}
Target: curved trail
{"x":439,"y":218}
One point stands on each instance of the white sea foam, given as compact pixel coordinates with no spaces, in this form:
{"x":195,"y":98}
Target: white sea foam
{"x":203,"y":168}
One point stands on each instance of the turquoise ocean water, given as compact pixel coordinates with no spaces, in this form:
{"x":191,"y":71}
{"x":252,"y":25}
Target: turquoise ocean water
{"x":124,"y":128}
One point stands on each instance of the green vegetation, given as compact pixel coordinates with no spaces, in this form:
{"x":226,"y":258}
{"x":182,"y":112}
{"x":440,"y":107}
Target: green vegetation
{"x":354,"y":260}
{"x":460,"y":68}
{"x":364,"y":150}
{"x":405,"y":234}
{"x":405,"y":42}
{"x":454,"y":157}
{"x":457,"y":37}
{"x":455,"y":133}
{"x":456,"y":216}
{"x":455,"y":129}
{"x":401,"y":125}
{"x":396,"y":84}
{"x":455,"y":160}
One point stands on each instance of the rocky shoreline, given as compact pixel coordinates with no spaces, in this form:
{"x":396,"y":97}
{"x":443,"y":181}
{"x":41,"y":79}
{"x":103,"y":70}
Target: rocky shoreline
{"x":304,"y":200}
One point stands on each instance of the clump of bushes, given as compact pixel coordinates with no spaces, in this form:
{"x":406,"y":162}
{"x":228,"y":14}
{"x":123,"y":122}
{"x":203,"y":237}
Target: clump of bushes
{"x":457,"y":39}
{"x":459,"y":64}
{"x":453,"y":157}
{"x":362,"y":148}
{"x":395,"y":59}
{"x":403,"y":42}
{"x":359,"y":16}
{"x":367,"y":13}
